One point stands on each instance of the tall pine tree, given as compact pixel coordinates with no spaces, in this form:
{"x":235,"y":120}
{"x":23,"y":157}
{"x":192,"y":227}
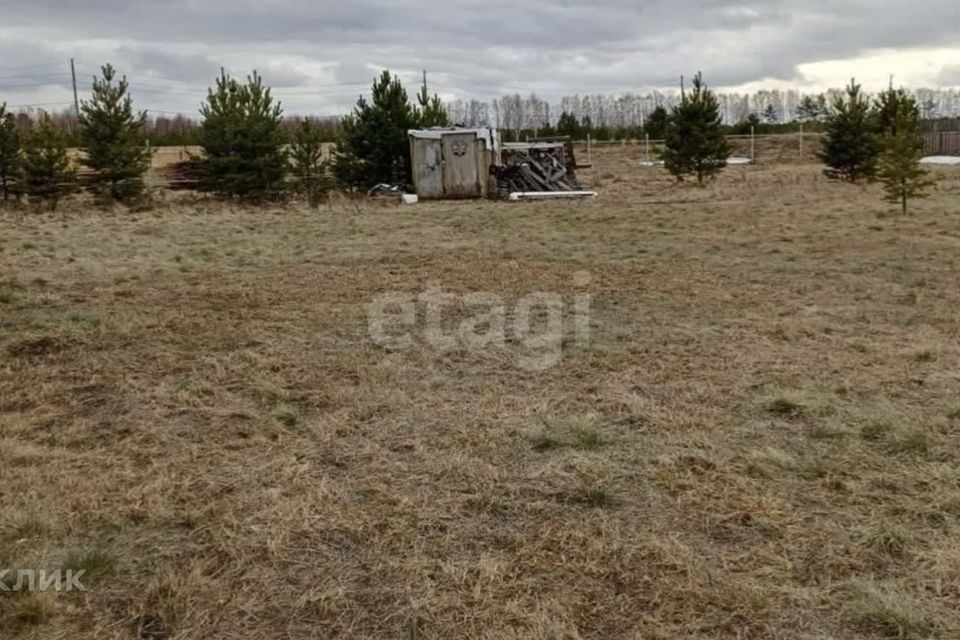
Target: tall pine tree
{"x":373,"y":145}
{"x":47,"y":173}
{"x":243,"y":141}
{"x":899,"y":168}
{"x":695,"y":142}
{"x":9,"y":153}
{"x":851,"y":145}
{"x":113,"y":139}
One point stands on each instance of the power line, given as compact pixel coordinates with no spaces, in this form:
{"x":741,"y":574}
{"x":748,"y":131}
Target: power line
{"x":161,"y":79}
{"x":26,"y":86}
{"x":33,"y":77}
{"x":38,"y":104}
{"x":35,"y":66}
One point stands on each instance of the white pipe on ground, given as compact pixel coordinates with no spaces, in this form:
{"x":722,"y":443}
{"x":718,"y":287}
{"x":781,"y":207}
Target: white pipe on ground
{"x":549,"y":195}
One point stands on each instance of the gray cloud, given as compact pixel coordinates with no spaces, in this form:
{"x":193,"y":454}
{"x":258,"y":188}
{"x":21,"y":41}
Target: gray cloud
{"x":949,"y":76}
{"x":318,"y":55}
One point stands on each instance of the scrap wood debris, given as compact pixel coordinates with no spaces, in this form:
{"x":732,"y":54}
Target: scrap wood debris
{"x":535,"y":166}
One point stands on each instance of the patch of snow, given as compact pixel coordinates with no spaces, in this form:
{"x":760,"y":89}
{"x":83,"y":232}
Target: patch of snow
{"x":948,"y":160}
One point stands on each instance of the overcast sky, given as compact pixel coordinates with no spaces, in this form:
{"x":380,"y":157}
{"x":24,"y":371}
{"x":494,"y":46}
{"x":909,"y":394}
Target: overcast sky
{"x":320,"y":55}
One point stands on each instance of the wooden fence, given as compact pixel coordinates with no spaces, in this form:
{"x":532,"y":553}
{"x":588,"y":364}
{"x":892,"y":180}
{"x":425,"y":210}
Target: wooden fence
{"x":942,"y":143}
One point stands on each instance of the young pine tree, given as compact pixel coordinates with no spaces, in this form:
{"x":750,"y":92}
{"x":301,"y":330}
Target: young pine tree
{"x":808,"y":110}
{"x":695,"y":142}
{"x":851,"y":145}
{"x":113,"y":139}
{"x":47,"y":174}
{"x":308,"y":166}
{"x":889,"y":105}
{"x":373,"y":145}
{"x":770,"y":115}
{"x":568,"y":125}
{"x":748,"y":125}
{"x":899,"y":166}
{"x":9,"y":153}
{"x":657,"y":123}
{"x":432,"y":111}
{"x":242,"y":140}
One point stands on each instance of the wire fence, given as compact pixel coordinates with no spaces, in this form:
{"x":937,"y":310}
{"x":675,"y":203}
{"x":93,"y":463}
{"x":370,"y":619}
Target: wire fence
{"x":772,"y":147}
{"x":780,"y":147}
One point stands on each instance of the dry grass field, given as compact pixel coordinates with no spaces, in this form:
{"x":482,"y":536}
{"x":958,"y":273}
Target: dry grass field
{"x":761,"y":440}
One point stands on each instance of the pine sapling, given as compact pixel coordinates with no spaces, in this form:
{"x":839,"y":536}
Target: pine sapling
{"x":900,"y":171}
{"x":113,"y":140}
{"x":309,"y":168}
{"x":695,"y":142}
{"x":851,"y":145}
{"x":374,"y":146}
{"x":47,"y":173}
{"x":243,"y":141}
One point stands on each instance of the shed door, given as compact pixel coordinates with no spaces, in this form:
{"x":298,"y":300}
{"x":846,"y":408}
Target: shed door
{"x":427,"y":168}
{"x":461,"y":174}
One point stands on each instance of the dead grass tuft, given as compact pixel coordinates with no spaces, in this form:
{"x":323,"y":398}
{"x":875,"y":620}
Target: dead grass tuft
{"x":32,"y":609}
{"x":36,"y":346}
{"x":286,"y":415}
{"x":885,"y":612}
{"x":96,"y":562}
{"x":785,"y":407}
{"x":910,"y":442}
{"x":582,"y":434}
{"x":594,"y":496}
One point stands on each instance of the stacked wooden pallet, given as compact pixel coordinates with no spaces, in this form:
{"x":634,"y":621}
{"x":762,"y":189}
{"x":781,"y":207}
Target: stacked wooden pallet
{"x":535,"y":167}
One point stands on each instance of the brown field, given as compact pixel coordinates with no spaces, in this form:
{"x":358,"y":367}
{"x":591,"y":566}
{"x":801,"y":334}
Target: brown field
{"x":760,"y":441}
{"x":166,"y":156}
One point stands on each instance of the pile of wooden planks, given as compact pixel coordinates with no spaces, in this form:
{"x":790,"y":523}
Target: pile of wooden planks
{"x":181,"y":176}
{"x":534,"y":167}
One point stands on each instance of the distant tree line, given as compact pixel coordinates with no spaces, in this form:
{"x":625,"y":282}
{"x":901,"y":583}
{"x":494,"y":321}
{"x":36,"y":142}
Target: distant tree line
{"x":654,"y":127}
{"x":602,"y":116}
{"x":607,"y":116}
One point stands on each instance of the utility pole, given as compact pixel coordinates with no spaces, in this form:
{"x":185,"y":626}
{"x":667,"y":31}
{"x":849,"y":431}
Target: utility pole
{"x":76,"y":101}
